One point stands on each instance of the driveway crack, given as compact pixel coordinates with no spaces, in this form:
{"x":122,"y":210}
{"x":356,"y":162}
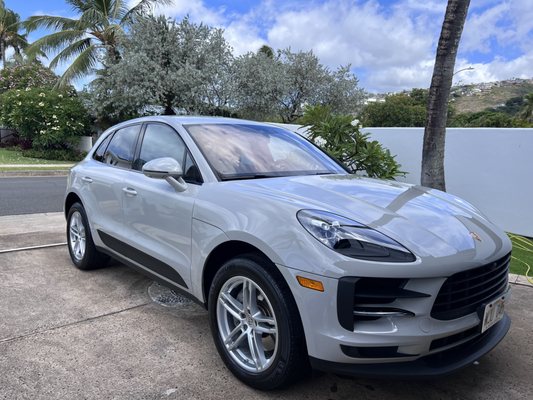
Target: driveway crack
{"x":89,"y":319}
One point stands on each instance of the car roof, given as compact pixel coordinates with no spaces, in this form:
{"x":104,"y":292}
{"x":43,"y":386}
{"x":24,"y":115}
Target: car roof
{"x":190,"y":120}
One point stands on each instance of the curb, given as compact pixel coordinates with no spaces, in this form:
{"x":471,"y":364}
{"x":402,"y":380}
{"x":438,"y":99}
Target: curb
{"x":519,"y":280}
{"x":50,"y":172}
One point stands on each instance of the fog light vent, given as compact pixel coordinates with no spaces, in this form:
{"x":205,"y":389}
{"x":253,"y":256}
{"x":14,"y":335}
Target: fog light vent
{"x":367,"y":299}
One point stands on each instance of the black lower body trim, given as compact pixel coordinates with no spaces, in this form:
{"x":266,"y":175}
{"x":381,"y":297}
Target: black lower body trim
{"x":151,"y":275}
{"x":439,"y":364}
{"x":146,"y":260}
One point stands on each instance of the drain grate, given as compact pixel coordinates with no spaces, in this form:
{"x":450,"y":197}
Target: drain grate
{"x":166,"y":297}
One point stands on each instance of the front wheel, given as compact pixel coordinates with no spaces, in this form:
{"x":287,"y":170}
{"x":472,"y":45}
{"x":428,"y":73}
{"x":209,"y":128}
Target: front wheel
{"x":256,"y":325}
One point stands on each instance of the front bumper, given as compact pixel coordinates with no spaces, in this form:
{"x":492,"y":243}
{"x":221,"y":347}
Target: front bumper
{"x":416,"y":342}
{"x":442,"y":363}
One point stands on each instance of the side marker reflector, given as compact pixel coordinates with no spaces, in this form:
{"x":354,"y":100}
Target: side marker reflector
{"x":310,"y":283}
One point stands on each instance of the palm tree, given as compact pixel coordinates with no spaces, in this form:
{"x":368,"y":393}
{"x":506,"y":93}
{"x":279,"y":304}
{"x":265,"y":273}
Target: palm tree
{"x":437,"y":114}
{"x":9,"y":36}
{"x":89,"y":39}
{"x":527,"y":111}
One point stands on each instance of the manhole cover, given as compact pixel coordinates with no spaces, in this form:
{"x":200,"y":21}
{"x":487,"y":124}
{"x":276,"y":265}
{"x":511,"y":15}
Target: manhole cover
{"x":166,"y":297}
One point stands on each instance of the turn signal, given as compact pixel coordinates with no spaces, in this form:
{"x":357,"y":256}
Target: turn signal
{"x":310,"y":283}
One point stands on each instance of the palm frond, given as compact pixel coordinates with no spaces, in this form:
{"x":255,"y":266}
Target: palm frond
{"x":54,"y":41}
{"x":120,"y":8}
{"x":143,"y":7}
{"x":71,"y":51}
{"x":50,"y":22}
{"x":78,"y":5}
{"x":93,"y":19}
{"x":82,"y":65}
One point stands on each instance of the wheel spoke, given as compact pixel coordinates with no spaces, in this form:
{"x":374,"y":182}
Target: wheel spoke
{"x":256,"y":351}
{"x":232,"y":305}
{"x":249,"y":295}
{"x":230,"y":343}
{"x":265,"y":324}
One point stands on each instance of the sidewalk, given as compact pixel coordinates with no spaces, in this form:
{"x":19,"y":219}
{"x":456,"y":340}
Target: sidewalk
{"x":15,"y":170}
{"x":32,"y":166}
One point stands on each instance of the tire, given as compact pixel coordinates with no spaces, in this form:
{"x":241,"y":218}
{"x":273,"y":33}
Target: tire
{"x":81,"y":248}
{"x":269,"y":323}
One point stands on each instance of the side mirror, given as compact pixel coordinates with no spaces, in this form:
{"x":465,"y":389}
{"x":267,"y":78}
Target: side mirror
{"x":166,"y":168}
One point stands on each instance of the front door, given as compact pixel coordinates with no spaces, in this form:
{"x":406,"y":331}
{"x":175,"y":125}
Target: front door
{"x":159,"y":218}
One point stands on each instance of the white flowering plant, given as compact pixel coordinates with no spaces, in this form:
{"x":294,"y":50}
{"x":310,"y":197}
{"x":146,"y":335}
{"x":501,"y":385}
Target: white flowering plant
{"x":341,"y":137}
{"x":49,"y":118}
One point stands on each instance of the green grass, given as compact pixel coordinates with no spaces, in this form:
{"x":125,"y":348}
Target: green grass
{"x":15,"y":156}
{"x":522,"y":255}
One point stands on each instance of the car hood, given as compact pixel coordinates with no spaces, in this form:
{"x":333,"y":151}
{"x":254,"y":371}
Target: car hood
{"x":428,"y":222}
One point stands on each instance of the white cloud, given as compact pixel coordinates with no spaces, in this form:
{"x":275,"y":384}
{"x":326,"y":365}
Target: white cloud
{"x":392,"y":44}
{"x":480,"y":28}
{"x":495,"y":70}
{"x":195,"y":9}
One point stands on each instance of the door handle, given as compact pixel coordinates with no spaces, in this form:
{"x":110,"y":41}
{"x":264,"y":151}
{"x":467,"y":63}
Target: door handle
{"x":129,"y":191}
{"x":87,"y":179}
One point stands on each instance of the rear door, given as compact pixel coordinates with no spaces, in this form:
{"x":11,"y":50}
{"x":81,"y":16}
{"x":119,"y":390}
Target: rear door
{"x":159,"y":218}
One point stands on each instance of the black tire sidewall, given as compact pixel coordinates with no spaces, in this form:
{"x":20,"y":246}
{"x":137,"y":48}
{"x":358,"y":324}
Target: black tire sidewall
{"x":84,"y":263}
{"x":275,"y":375}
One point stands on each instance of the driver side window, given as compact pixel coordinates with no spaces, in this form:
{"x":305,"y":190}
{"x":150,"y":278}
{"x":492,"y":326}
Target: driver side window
{"x":163,"y":141}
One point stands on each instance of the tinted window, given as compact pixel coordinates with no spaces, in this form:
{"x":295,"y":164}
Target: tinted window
{"x":163,"y":141}
{"x":122,"y":146}
{"x":160,"y":141}
{"x":191,"y":173}
{"x":99,"y":153}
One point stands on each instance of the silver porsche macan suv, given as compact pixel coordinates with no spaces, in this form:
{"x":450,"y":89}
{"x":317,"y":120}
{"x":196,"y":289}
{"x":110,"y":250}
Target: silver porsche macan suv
{"x":298,"y":262}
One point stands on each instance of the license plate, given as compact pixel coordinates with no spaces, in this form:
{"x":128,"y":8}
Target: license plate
{"x":493,"y":313}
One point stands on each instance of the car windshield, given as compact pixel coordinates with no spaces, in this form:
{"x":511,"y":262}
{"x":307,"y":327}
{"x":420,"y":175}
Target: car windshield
{"x":241,"y":151}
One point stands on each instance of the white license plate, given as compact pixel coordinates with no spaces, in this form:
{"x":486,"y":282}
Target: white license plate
{"x":493,"y":313}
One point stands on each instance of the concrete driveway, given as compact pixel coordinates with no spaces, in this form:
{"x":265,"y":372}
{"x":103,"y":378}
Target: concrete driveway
{"x":68,"y":334}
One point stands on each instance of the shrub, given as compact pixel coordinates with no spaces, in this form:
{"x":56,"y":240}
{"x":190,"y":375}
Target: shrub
{"x":55,"y":154}
{"x":341,"y":137}
{"x":51,"y":119}
{"x":27,"y":76}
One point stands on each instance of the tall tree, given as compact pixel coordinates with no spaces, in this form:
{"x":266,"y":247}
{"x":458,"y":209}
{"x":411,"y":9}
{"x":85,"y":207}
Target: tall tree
{"x":167,"y":67}
{"x":435,"y":131}
{"x":280,"y":87}
{"x":9,"y":35}
{"x":88,"y":39}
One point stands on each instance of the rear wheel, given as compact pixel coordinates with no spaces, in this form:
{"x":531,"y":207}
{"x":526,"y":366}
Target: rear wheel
{"x":82,"y":250}
{"x":256,"y":325}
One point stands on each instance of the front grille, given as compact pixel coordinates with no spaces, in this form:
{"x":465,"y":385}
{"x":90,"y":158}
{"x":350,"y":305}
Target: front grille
{"x":465,"y":291}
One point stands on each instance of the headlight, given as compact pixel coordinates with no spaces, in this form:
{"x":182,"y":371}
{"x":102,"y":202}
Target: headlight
{"x":351,"y":238}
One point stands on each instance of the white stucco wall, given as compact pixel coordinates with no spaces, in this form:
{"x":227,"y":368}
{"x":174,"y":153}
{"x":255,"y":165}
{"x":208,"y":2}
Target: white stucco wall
{"x":490,"y":167}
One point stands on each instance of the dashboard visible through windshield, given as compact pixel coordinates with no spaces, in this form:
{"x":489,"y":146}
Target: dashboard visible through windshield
{"x":242,"y":151}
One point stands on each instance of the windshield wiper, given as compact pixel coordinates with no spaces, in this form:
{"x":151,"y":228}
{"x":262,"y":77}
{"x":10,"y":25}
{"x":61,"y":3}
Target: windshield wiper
{"x":251,"y":176}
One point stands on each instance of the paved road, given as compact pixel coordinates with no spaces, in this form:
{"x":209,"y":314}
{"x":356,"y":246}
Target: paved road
{"x":28,"y":195}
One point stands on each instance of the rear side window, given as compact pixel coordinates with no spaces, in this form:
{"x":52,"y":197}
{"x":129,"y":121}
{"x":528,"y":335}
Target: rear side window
{"x":122,"y":147}
{"x":99,"y":153}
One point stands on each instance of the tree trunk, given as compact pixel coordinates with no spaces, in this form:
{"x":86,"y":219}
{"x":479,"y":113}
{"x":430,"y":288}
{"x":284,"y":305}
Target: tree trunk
{"x":3,"y":52}
{"x":439,"y":92}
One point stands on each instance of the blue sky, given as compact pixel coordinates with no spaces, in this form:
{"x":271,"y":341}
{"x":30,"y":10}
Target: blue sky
{"x":390,"y":44}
